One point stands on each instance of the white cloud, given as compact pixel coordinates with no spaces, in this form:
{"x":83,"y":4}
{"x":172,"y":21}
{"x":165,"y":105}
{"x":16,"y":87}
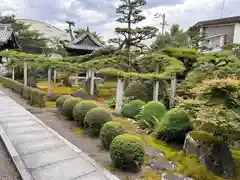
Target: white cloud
{"x":90,"y":16}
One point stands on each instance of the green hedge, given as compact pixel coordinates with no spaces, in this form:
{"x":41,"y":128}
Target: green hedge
{"x":33,"y":95}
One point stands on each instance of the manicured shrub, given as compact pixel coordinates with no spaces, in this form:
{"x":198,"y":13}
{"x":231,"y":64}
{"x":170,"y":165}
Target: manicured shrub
{"x":95,"y":119}
{"x":60,"y":101}
{"x":81,"y":109}
{"x":109,"y":131}
{"x":127,"y":152}
{"x":132,"y":109}
{"x":143,"y":90}
{"x":26,"y":92}
{"x":149,"y":113}
{"x":68,"y":106}
{"x":174,"y":125}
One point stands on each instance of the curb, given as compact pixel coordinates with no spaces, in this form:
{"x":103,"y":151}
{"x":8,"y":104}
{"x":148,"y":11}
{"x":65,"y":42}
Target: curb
{"x":16,"y":159}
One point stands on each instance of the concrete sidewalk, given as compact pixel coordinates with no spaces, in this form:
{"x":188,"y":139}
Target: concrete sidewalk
{"x":39,"y":152}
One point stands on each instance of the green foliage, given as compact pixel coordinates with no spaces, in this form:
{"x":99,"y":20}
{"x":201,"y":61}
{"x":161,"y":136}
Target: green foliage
{"x":143,"y":90}
{"x":109,"y":131}
{"x":175,"y":38}
{"x":195,"y":35}
{"x":127,"y":152}
{"x":148,"y":112}
{"x":81,"y":109}
{"x":34,"y":96}
{"x":60,"y":101}
{"x":69,"y":104}
{"x":133,"y":108}
{"x":95,"y":119}
{"x":174,"y":125}
{"x":131,"y":14}
{"x":214,"y":65}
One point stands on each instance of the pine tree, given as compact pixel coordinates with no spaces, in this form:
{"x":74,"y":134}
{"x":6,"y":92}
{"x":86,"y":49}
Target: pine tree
{"x":131,"y":14}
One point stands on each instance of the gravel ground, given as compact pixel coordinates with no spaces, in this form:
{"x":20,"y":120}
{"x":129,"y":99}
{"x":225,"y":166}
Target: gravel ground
{"x":7,"y":168}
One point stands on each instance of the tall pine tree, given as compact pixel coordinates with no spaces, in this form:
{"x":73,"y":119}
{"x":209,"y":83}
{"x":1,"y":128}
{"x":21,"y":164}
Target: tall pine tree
{"x":130,"y":11}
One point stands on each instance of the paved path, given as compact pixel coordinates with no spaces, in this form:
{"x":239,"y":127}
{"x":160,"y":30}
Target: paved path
{"x":39,"y":152}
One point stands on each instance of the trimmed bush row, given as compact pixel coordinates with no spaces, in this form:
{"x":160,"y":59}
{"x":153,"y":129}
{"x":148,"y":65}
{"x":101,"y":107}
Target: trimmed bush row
{"x":33,"y":95}
{"x":99,"y":121}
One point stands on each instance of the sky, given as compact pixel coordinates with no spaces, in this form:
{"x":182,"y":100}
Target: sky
{"x":100,"y":15}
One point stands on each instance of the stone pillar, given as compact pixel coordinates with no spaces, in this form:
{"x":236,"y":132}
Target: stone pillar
{"x":13,"y":74}
{"x":49,"y":81}
{"x":25,"y":73}
{"x":55,"y":75}
{"x":119,"y":96}
{"x":222,"y":41}
{"x":76,"y":79}
{"x":173,"y":90}
{"x":156,"y":86}
{"x":92,"y":83}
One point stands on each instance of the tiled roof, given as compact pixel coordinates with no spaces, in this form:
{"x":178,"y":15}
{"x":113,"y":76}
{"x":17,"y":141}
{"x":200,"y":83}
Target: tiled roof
{"x":5,"y":33}
{"x":85,"y":42}
{"x":234,"y":19}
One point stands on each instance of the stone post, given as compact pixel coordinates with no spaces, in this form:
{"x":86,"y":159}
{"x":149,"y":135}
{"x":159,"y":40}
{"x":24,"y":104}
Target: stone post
{"x":119,"y":96}
{"x":13,"y":74}
{"x":76,"y":79}
{"x":25,"y":73}
{"x":49,"y":81}
{"x":55,"y":75}
{"x":156,"y":85}
{"x":92,"y":83}
{"x":173,"y":90}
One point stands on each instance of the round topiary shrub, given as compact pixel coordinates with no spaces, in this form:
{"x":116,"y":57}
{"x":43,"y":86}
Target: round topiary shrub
{"x":60,"y":101}
{"x":109,"y":131}
{"x":95,"y":119}
{"x":133,"y":108}
{"x":68,"y":106}
{"x":174,"y":126}
{"x":127,"y":152}
{"x":81,"y":109}
{"x":151,"y":114}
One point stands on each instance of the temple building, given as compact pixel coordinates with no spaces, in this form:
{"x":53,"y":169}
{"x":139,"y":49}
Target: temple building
{"x":7,"y":41}
{"x":84,"y":44}
{"x":7,"y":38}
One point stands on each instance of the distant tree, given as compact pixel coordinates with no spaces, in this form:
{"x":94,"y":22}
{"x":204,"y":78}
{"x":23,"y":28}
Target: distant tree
{"x":29,"y":40}
{"x":81,"y":31}
{"x":131,"y":14}
{"x":195,"y":35}
{"x":69,"y":30}
{"x":175,"y":38}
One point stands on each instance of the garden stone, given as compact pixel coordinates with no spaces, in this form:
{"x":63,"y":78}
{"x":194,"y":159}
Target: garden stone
{"x":32,"y":82}
{"x":82,"y":95}
{"x":161,"y":165}
{"x":174,"y":177}
{"x":212,"y":152}
{"x":153,"y":152}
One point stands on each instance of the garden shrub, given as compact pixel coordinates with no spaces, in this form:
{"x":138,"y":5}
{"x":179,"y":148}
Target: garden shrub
{"x":68,"y":106}
{"x":173,"y":126}
{"x":95,"y":119}
{"x":81,"y":109}
{"x":149,"y":113}
{"x":143,"y":90}
{"x":109,"y":131}
{"x":127,"y":152}
{"x":33,"y":95}
{"x":60,"y":101}
{"x":132,"y":109}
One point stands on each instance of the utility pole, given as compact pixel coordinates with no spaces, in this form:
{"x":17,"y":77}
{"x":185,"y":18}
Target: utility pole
{"x":163,"y":23}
